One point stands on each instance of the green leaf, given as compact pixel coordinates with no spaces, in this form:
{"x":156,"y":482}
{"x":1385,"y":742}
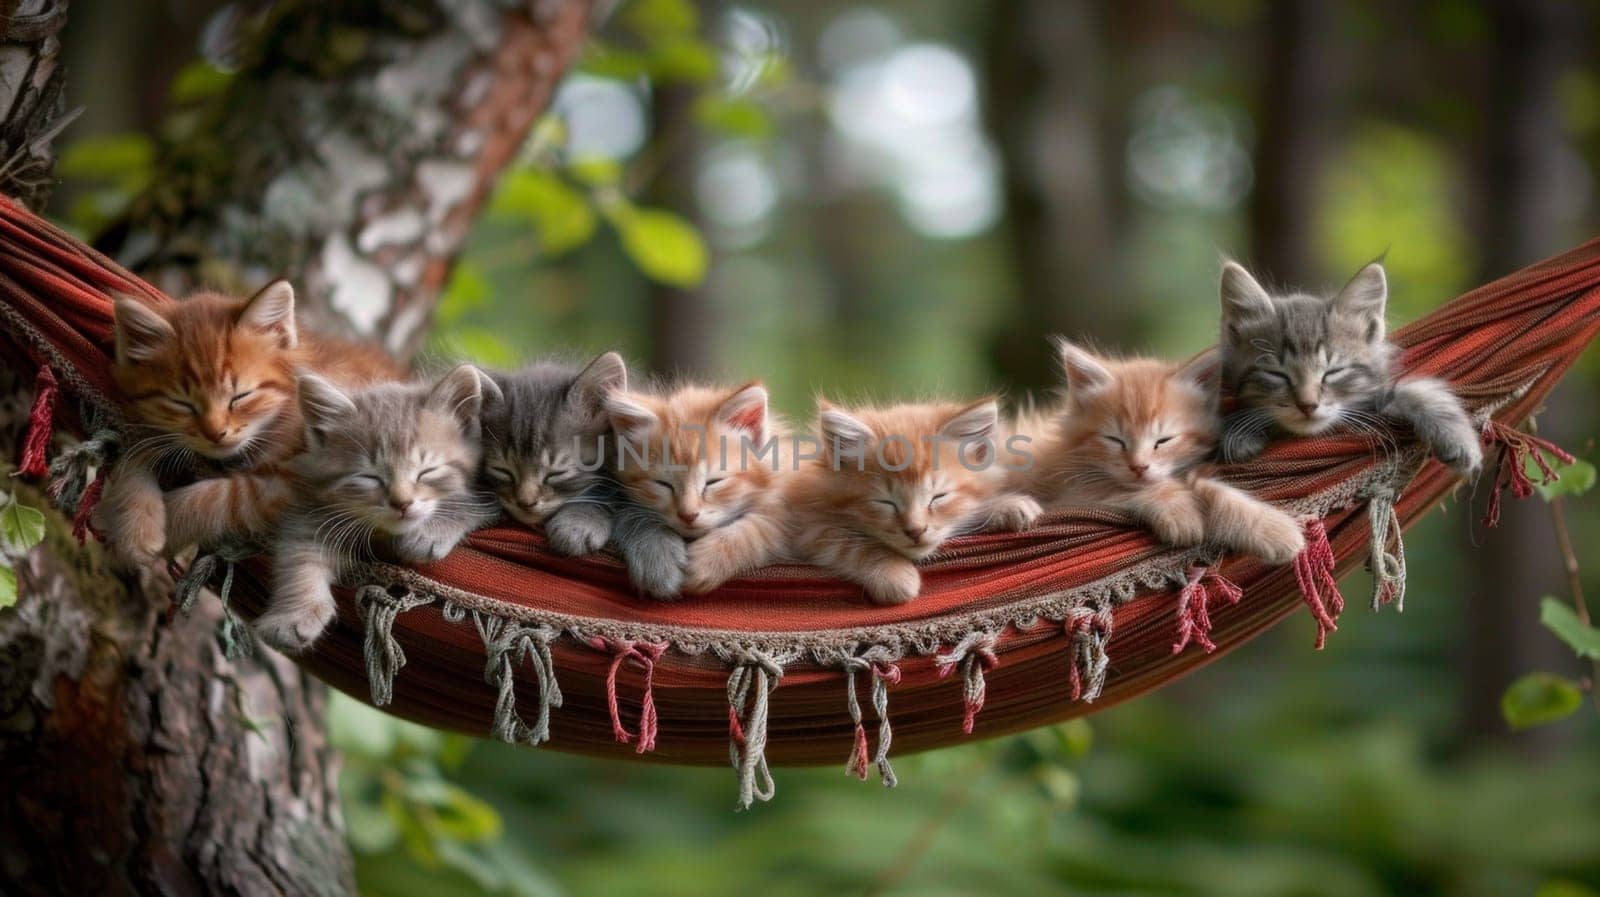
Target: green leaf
{"x":1559,"y":617}
{"x":734,"y":116}
{"x":1562,"y":887}
{"x":608,"y":62}
{"x":684,"y":62}
{"x":464,"y":817}
{"x":1571,"y":479}
{"x":8,"y":586}
{"x":561,"y":215}
{"x":21,"y":527}
{"x":595,"y":171}
{"x":661,"y":20}
{"x":1538,"y":699}
{"x":109,"y":156}
{"x":199,"y":80}
{"x":665,"y":247}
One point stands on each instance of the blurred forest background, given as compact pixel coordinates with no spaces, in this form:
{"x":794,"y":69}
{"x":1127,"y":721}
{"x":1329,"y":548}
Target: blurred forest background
{"x":902,"y":197}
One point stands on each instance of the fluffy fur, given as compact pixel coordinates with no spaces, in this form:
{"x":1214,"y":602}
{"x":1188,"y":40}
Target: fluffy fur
{"x":1132,"y":434}
{"x":701,"y":459}
{"x":210,"y":386}
{"x":892,"y":484}
{"x":389,"y":471}
{"x":1301,"y":364}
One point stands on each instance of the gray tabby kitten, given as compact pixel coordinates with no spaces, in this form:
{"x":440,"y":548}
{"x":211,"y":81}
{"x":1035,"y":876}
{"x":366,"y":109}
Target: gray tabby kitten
{"x":544,"y":433}
{"x":388,"y":470}
{"x":1302,"y":364}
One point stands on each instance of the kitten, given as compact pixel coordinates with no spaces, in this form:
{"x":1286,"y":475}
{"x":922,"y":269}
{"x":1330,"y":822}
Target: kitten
{"x":1302,"y":365}
{"x":708,"y":462}
{"x":210,"y":388}
{"x":388,"y":470}
{"x":1131,"y":434}
{"x":544,"y":456}
{"x":892,"y":484}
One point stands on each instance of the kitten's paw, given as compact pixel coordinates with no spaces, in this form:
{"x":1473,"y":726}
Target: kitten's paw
{"x":1179,"y":522}
{"x":136,"y":542}
{"x":1462,"y":453}
{"x":893,"y":583}
{"x":1014,"y":512}
{"x":1276,"y":538}
{"x":292,"y":630}
{"x":657,"y":569}
{"x":706,"y":569}
{"x":577,"y":535}
{"x":424,"y":547}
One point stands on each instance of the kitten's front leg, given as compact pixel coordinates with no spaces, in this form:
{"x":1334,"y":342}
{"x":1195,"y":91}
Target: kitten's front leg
{"x":578,"y":528}
{"x":1171,"y":510}
{"x":241,"y":506}
{"x":1440,"y":421}
{"x":1245,"y":434}
{"x":722,"y":554}
{"x":1010,"y":512}
{"x":433,"y":540}
{"x":133,"y":516}
{"x":654,"y":552}
{"x":302,"y":602}
{"x":1240,"y":522}
{"x":887,"y":578}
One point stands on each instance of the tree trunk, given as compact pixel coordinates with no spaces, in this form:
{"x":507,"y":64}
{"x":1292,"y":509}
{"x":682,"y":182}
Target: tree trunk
{"x":135,"y":757}
{"x":683,"y":324}
{"x":1045,"y":99}
{"x":1521,"y":222}
{"x":1294,"y":113}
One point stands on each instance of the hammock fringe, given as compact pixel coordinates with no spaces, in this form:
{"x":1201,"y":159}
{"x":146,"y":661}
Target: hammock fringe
{"x":751,"y":682}
{"x":1314,"y":570}
{"x":41,"y":425}
{"x":1511,"y":466}
{"x":1088,"y":628}
{"x":506,"y":644}
{"x":975,"y":655}
{"x":379,"y":606}
{"x":1387,"y":565}
{"x":1203,"y":585}
{"x":644,"y":655}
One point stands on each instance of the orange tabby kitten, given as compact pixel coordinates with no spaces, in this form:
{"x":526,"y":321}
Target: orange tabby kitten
{"x":210,"y":386}
{"x":1132,"y":434}
{"x":708,"y":461}
{"x":892,"y":484}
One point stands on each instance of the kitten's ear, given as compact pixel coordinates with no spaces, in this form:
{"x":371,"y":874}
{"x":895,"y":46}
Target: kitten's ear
{"x":141,"y":332}
{"x":1199,"y":370}
{"x":1085,"y":372}
{"x":631,"y":421}
{"x":605,"y":375}
{"x":841,"y":431}
{"x":745,"y":410}
{"x":975,"y":424}
{"x":460,"y":393}
{"x":322,"y":405}
{"x":271,"y":310}
{"x":1243,"y":299}
{"x":493,"y":395}
{"x":1366,"y":297}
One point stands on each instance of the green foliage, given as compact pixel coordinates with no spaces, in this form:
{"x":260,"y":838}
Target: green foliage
{"x":198,"y":81}
{"x":666,"y":247}
{"x":560,"y":214}
{"x":1537,"y":699}
{"x":1572,"y":479}
{"x":1565,"y":888}
{"x":1559,"y":617}
{"x":116,"y":167}
{"x":734,"y":116}
{"x":21,"y":529}
{"x":8,"y":586}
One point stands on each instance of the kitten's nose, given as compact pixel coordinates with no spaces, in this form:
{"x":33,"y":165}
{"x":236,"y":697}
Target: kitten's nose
{"x":1308,"y":408}
{"x":915,"y":532}
{"x":401,"y":505}
{"x":1138,"y":469}
{"x":688,"y":516}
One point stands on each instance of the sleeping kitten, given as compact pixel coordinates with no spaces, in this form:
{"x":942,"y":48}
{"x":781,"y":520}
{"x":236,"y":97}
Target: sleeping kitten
{"x":1301,"y":364}
{"x":1131,"y":434}
{"x":544,"y":434}
{"x":388,"y":470}
{"x":892,"y":484}
{"x":708,"y":462}
{"x":210,"y":386}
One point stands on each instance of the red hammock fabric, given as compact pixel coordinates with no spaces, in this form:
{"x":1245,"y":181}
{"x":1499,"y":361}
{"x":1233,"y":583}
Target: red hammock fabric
{"x":1022,"y":627}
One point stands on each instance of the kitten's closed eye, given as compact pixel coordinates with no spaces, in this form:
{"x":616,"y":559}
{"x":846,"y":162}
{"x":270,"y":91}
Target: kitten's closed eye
{"x":1164,"y":440}
{"x":427,"y":472}
{"x":183,"y":405}
{"x":1114,"y":440}
{"x":239,"y":397}
{"x":886,"y":502}
{"x":666,"y":485}
{"x":371,"y":478}
{"x":502,"y":474}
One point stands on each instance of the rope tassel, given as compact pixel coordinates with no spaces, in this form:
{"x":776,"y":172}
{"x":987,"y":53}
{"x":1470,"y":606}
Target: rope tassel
{"x":379,"y":608}
{"x":1388,"y":567}
{"x":975,"y":655}
{"x":506,"y":644}
{"x":237,"y":641}
{"x":755,"y":675}
{"x":1511,"y":467}
{"x":1203,"y":587}
{"x":644,"y":655}
{"x":41,"y":424}
{"x":1314,"y":571}
{"x":1088,"y":629}
{"x":71,"y":486}
{"x":877,"y":662}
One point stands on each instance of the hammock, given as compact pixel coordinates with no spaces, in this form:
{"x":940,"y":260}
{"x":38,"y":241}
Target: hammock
{"x":1012,"y":631}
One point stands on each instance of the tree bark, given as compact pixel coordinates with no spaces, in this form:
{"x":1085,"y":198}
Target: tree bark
{"x":135,"y":756}
{"x":683,"y":324}
{"x":32,"y":107}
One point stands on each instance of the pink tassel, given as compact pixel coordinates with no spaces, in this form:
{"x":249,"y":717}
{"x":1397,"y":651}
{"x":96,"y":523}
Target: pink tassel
{"x":977,"y":659}
{"x":860,"y":756}
{"x":644,"y":655}
{"x":1516,"y":447}
{"x":1313,"y":569}
{"x":1194,"y":607}
{"x":82,"y":521}
{"x":41,"y":423}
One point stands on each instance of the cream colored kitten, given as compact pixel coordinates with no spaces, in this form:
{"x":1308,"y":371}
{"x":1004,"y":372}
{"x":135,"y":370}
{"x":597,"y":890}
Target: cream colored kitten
{"x":894,"y":483}
{"x":1132,"y":434}
{"x":709,"y":461}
